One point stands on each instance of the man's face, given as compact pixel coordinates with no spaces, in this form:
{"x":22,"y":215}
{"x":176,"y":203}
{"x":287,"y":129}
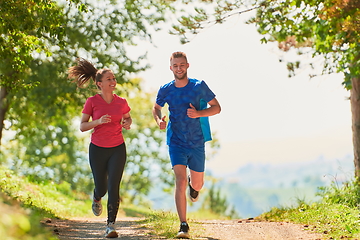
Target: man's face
{"x":179,"y":67}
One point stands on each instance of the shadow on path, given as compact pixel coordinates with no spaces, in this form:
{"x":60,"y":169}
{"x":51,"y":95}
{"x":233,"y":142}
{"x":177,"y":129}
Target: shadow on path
{"x":94,"y":228}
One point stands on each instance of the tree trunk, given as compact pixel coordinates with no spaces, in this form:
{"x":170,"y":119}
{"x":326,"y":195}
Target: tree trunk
{"x":355,"y":110}
{"x":4,"y":105}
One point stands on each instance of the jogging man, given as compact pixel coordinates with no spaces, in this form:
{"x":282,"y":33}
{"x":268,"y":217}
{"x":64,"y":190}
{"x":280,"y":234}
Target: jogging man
{"x":190,"y":103}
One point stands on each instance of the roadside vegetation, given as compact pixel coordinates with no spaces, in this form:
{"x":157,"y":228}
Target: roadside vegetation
{"x":166,"y":224}
{"x":25,"y":206}
{"x":336,"y":215}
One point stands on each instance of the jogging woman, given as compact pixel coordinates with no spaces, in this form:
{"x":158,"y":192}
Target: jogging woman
{"x":109,"y":113}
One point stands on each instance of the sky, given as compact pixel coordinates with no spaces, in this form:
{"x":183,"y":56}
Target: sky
{"x":266,"y":116}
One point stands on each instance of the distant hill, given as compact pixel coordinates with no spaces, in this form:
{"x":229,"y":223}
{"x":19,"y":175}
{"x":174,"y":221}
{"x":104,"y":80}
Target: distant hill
{"x":255,"y":188}
{"x":320,"y":171}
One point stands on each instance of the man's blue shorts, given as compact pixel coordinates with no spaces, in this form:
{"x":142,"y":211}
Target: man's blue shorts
{"x":194,"y":158}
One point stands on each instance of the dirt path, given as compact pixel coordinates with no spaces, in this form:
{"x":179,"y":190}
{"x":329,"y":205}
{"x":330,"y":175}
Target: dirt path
{"x":128,"y":228}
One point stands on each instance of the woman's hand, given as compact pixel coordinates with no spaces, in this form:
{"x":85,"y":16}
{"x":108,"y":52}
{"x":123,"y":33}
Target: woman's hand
{"x":126,"y":121}
{"x":104,"y":119}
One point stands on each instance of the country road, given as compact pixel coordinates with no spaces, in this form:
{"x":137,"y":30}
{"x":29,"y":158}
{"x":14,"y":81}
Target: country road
{"x":128,"y":228}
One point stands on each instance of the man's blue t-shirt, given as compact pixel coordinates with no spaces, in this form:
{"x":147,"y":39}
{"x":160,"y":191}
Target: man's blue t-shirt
{"x":181,"y":130}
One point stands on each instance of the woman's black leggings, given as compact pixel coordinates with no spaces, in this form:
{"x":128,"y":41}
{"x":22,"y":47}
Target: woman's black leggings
{"x":107,"y":165}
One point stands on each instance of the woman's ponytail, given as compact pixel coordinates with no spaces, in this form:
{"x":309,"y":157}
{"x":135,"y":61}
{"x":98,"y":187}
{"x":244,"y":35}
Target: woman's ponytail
{"x":82,"y":72}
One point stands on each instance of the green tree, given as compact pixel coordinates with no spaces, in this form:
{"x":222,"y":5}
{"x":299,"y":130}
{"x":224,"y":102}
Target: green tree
{"x":42,"y":120}
{"x":328,"y":29}
{"x":41,"y":138}
{"x":34,"y":33}
{"x":24,"y":24}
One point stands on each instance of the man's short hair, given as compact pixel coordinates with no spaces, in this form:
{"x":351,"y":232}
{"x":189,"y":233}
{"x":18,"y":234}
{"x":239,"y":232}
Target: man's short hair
{"x":178,"y":55}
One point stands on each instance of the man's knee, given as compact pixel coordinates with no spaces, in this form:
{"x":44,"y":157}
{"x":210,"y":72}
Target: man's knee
{"x":197,"y":185}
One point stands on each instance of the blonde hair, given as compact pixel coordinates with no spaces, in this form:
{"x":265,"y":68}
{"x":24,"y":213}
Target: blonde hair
{"x":178,"y":55}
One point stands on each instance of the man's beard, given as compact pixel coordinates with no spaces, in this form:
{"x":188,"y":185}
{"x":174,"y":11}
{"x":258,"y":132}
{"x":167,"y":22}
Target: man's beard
{"x":180,"y":77}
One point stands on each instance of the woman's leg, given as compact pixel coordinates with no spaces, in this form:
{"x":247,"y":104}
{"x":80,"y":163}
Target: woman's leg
{"x":98,"y":163}
{"x":115,"y":169}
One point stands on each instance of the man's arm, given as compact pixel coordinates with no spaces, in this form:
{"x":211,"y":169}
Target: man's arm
{"x":214,"y":108}
{"x":156,"y":111}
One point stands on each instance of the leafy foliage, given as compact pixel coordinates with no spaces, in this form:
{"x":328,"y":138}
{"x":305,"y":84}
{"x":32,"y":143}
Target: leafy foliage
{"x":329,"y":29}
{"x":42,"y":139}
{"x":24,"y":28}
{"x":44,"y":143}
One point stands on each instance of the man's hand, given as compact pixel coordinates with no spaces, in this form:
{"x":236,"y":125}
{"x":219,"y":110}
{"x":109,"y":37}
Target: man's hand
{"x":162,"y":123}
{"x":192,"y":112}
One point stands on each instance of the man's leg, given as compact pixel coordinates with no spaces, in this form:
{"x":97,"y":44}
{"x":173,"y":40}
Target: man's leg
{"x":197,"y":168}
{"x":196,"y":180}
{"x":180,"y":191}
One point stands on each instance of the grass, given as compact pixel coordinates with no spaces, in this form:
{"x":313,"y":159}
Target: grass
{"x":48,"y":199}
{"x":23,"y":205}
{"x":336,"y":215}
{"x":17,"y":223}
{"x":166,"y":224}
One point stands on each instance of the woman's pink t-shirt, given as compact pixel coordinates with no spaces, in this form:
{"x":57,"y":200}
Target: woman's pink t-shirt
{"x":107,"y":134}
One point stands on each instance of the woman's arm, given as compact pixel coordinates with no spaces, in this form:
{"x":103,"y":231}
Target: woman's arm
{"x":85,"y":125}
{"x":127,"y":120}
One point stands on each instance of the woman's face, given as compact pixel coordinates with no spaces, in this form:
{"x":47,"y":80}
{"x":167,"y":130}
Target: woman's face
{"x":108,"y":82}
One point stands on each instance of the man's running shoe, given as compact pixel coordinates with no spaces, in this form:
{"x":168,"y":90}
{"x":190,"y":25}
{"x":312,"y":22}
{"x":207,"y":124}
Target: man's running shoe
{"x":193,"y":194}
{"x":110,"y":231}
{"x":184,"y":231}
{"x":97,"y":207}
